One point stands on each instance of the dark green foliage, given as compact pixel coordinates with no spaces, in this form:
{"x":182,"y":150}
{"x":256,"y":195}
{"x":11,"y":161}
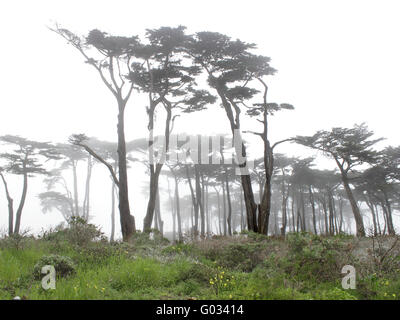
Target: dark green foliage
{"x":63,"y":265}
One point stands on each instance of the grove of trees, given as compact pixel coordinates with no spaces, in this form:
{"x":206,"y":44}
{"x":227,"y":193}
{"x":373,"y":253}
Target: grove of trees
{"x":182,"y":73}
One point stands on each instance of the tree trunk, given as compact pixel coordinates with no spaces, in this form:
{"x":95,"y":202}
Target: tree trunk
{"x":330,"y":206}
{"x":323,"y":201}
{"x":313,"y":209}
{"x":389,"y":215}
{"x":242,"y":221}
{"x":151,"y":205}
{"x":76,"y":200}
{"x":10,"y":207}
{"x":112,"y":237}
{"x":228,"y":198}
{"x":356,"y":211}
{"x":127,"y":220}
{"x":194,"y":202}
{"x":21,"y":203}
{"x":224,"y":207}
{"x":178,"y":210}
{"x":199,"y":200}
{"x":219,"y":212}
{"x":86,"y":201}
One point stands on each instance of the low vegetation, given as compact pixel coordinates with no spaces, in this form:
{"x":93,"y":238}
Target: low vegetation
{"x":246,"y":266}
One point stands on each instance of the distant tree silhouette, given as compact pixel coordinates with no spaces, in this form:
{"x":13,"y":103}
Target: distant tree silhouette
{"x":25,"y":160}
{"x":349,"y":147}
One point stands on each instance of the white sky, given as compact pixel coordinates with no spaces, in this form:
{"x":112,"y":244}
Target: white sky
{"x":338,"y":63}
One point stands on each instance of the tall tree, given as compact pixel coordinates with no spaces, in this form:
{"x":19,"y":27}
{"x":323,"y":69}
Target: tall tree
{"x":262,"y":111}
{"x":112,"y":60}
{"x":168,"y":80}
{"x":230,"y":67}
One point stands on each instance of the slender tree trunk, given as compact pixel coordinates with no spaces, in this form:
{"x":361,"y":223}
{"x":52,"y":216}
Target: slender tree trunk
{"x":199,"y":200}
{"x":112,"y":237}
{"x":23,"y":198}
{"x":178,"y":209}
{"x":313,"y":208}
{"x":341,"y":215}
{"x":86,"y":201}
{"x":293,"y":213}
{"x":242,"y":220}
{"x":194,"y":202}
{"x":389,"y":215}
{"x":76,"y":200}
{"x":224,"y":207}
{"x":330,"y":206}
{"x":219,"y":212}
{"x":228,"y":198}
{"x":158,"y":213}
{"x":207,"y":210}
{"x":377,"y":219}
{"x":325,"y":215}
{"x":10,"y":207}
{"x":173,"y":212}
{"x":303,"y":211}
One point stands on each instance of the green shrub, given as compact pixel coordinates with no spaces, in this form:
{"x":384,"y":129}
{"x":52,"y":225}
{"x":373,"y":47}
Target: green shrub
{"x":312,"y":256}
{"x":197,"y":271}
{"x":241,"y":256}
{"x":79,"y":232}
{"x":96,"y":253}
{"x":64,"y":266}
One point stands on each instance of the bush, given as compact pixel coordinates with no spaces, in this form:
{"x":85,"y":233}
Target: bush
{"x":97,"y":253}
{"x":312,"y":256}
{"x":241,"y":256}
{"x":79,"y":232}
{"x":16,"y":241}
{"x":64,"y":266}
{"x":199,"y":272}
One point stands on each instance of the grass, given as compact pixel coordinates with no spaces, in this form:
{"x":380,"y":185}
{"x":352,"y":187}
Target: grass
{"x":302,"y":266}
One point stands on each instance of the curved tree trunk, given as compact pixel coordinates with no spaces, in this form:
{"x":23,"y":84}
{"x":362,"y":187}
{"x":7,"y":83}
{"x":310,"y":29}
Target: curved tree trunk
{"x":356,"y":211}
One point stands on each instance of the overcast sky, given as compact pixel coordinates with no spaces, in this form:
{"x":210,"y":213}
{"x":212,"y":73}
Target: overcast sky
{"x":338,"y":64}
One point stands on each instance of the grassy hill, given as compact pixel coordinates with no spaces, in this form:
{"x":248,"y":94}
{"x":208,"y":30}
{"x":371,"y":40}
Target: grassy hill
{"x":246,"y":266}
